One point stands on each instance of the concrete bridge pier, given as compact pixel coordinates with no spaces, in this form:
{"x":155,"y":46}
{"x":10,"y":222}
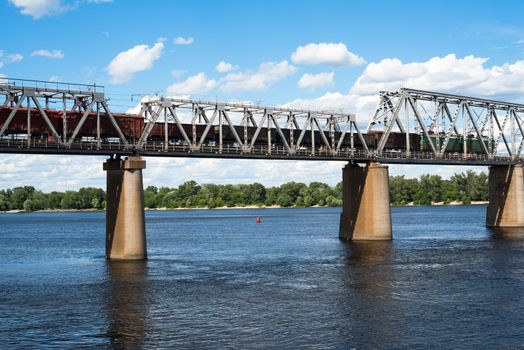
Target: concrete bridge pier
{"x":506,"y":196}
{"x":125,"y":222}
{"x":366,"y":214}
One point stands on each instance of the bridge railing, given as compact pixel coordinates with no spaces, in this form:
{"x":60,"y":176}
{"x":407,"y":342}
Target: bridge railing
{"x":48,"y":86}
{"x":156,"y":148}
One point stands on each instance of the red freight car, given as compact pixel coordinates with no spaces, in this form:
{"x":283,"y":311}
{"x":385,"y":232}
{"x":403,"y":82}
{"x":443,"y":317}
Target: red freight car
{"x":18,"y":124}
{"x":130,"y":125}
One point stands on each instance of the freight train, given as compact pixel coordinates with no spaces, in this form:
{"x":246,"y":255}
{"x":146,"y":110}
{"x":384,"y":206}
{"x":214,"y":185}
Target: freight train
{"x":132,"y":125}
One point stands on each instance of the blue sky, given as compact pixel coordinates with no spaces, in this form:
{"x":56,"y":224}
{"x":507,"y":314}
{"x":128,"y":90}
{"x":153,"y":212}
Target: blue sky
{"x":317,"y":54}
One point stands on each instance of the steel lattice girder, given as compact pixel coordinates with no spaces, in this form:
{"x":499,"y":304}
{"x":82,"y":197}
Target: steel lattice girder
{"x":438,"y":117}
{"x":235,"y":115}
{"x":85,"y":98}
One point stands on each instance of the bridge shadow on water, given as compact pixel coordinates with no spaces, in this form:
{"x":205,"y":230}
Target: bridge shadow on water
{"x":127,"y":309}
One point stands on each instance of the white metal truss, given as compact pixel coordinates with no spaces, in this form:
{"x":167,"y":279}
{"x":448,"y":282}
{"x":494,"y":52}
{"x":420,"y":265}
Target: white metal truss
{"x":31,"y":94}
{"x":480,"y":125}
{"x":246,"y":123}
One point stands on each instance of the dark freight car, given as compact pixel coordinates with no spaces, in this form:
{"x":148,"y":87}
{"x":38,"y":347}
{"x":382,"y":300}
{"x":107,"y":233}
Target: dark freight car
{"x":397,"y":140}
{"x":474,"y":145}
{"x":228,"y":137}
{"x":455,"y":143}
{"x":369,"y":139}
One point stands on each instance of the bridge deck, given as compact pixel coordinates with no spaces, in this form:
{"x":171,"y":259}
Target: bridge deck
{"x":153,"y":149}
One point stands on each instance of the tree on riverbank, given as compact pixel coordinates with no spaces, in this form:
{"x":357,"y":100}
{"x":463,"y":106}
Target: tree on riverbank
{"x":427,"y":189}
{"x":463,"y":187}
{"x":29,"y":199}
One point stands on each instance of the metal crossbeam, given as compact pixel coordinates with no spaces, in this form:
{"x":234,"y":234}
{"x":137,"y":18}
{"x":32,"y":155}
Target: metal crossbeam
{"x":428,"y":116}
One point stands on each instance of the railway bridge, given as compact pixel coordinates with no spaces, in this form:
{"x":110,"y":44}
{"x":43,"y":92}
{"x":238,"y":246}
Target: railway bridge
{"x":408,"y":127}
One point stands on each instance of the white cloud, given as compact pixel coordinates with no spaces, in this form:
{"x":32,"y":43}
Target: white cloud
{"x":224,"y":67}
{"x":330,"y":101}
{"x":177,"y":73}
{"x":326,"y":53}
{"x":137,"y":59}
{"x":59,"y":173}
{"x":194,"y":85}
{"x":7,"y":59}
{"x":14,"y":58}
{"x":56,"y":172}
{"x":55,"y":78}
{"x":183,"y":41}
{"x":469,"y":75}
{"x":136,"y":108}
{"x":40,"y":8}
{"x":314,"y":81}
{"x":57,"y":54}
{"x":268,"y":73}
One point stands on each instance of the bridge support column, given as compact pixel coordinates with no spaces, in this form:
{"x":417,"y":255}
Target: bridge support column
{"x":366,"y":214}
{"x":125,"y":222}
{"x":506,"y":196}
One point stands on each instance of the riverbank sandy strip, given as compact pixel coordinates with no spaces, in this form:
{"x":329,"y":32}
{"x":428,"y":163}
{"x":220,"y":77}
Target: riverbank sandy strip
{"x":442,"y":203}
{"x":222,"y":208}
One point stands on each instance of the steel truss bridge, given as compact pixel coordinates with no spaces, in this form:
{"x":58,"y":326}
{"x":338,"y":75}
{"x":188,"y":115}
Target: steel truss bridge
{"x":408,"y":126}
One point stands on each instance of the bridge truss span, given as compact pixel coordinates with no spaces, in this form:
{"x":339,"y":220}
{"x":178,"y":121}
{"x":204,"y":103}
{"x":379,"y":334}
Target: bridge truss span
{"x":450,"y":124}
{"x":246,"y":126}
{"x":39,"y":99}
{"x":408,"y":126}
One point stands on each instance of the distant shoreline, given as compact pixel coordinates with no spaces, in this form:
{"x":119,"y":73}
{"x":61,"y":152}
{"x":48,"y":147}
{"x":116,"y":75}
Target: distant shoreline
{"x":229,"y":208}
{"x":440,"y":204}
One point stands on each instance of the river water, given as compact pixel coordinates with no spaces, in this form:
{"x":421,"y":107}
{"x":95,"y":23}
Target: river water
{"x":217,"y":279}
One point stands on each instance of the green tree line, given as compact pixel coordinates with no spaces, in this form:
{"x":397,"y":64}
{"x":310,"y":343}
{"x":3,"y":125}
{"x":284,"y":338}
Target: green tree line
{"x":29,"y":199}
{"x":427,"y":189}
{"x":462,"y":187}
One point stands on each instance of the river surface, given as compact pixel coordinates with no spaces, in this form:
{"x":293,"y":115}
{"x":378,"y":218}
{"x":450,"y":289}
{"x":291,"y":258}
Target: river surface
{"x":217,"y":279}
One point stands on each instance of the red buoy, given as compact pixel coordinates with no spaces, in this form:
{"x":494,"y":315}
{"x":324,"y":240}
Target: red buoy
{"x":258,"y":219}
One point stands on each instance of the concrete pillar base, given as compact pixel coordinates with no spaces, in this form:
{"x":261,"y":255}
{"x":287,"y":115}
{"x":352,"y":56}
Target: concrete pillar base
{"x":366,"y":213}
{"x":506,"y":196}
{"x":125,"y":221}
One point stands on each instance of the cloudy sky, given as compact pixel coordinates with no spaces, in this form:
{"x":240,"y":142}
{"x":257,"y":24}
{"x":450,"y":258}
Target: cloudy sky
{"x":334,"y":55}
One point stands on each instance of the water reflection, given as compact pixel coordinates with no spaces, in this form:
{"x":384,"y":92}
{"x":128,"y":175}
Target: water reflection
{"x":369,"y":265}
{"x":369,"y":282}
{"x":368,"y":253}
{"x":507,"y":232}
{"x":127,"y":307}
